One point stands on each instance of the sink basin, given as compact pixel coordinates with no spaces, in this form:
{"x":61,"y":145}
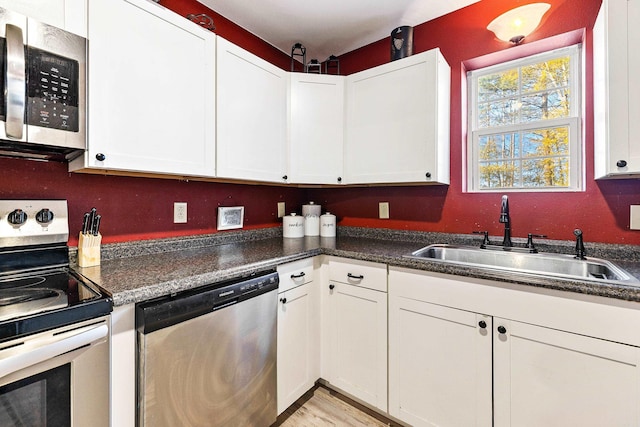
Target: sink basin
{"x":542,"y":264}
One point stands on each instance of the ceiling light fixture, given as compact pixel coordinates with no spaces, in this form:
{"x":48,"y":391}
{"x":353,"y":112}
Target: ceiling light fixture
{"x":513,"y":26}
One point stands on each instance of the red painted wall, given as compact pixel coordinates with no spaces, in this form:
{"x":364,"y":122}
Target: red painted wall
{"x":602,"y":211}
{"x":141,"y":208}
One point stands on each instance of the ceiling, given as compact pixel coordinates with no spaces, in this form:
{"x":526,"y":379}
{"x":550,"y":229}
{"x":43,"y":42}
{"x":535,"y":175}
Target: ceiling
{"x":329,"y":27}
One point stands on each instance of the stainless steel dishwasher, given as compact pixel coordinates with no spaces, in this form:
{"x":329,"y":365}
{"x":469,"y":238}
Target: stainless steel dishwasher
{"x":208,"y":357}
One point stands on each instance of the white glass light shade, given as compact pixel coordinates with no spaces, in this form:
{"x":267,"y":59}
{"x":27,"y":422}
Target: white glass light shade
{"x":518,"y":23}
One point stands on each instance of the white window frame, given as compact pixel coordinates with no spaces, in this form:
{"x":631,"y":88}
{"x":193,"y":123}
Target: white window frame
{"x":573,"y":122}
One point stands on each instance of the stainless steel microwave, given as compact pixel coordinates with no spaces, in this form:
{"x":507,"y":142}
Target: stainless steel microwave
{"x":43,"y":82}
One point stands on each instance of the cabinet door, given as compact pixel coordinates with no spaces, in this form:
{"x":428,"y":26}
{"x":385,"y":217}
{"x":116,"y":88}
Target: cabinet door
{"x":616,"y":89}
{"x":252,"y":116}
{"x":316,"y":128}
{"x":397,"y":126}
{"x":357,"y":322}
{"x":440,"y":371}
{"x":69,"y":15}
{"x":298,"y":343}
{"x":546,"y":377}
{"x":151,"y":90}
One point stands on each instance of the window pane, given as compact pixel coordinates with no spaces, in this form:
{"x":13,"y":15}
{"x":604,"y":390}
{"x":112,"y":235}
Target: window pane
{"x":504,"y":174}
{"x":498,"y":113}
{"x":546,"y":142}
{"x":546,"y":75}
{"x":545,"y":105}
{"x":524,"y":94}
{"x":499,"y":146}
{"x":546,"y":172}
{"x":498,"y":85}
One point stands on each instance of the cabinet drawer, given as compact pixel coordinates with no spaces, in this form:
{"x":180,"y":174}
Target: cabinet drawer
{"x":295,"y":274}
{"x":359,"y":273}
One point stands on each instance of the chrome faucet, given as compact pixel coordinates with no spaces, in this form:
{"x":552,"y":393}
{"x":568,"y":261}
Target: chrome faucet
{"x":506,"y":220}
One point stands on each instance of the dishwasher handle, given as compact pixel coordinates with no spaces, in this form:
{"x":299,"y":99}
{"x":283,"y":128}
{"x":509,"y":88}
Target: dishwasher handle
{"x":34,"y":351}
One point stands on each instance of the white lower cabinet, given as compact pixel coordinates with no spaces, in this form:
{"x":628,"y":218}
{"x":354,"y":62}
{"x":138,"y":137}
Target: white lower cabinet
{"x":439,"y":364}
{"x":545,"y":377}
{"x":449,"y":366}
{"x":355,"y":340}
{"x":298,"y":332}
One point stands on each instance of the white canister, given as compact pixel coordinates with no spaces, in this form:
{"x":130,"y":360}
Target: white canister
{"x":292,"y":226}
{"x":311,"y":225}
{"x":328,"y":225}
{"x":311,"y":209}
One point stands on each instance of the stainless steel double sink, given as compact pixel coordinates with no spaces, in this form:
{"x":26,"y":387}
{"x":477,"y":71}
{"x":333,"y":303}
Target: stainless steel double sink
{"x":541,"y":264}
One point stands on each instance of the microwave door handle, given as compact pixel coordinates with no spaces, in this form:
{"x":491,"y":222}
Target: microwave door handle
{"x":15,"y":82}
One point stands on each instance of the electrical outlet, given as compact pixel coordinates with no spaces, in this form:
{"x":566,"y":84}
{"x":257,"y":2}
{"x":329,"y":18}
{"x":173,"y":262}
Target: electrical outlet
{"x":634,"y":223}
{"x":180,"y":212}
{"x":383,"y":210}
{"x":281,"y":209}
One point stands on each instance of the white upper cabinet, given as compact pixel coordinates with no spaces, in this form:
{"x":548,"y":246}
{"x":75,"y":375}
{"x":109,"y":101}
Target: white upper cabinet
{"x":69,"y":15}
{"x":616,"y":61}
{"x":251,"y":116}
{"x":151,"y":91}
{"x":397,"y":122}
{"x":316,"y":128}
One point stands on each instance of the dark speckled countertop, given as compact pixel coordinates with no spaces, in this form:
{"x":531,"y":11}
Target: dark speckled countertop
{"x":139,"y":271}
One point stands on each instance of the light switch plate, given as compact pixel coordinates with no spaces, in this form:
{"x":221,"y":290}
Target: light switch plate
{"x":281,"y":209}
{"x":383,"y":210}
{"x":634,"y":223}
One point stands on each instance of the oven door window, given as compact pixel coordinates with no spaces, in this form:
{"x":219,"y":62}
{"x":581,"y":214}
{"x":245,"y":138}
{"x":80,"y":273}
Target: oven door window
{"x":43,"y":399}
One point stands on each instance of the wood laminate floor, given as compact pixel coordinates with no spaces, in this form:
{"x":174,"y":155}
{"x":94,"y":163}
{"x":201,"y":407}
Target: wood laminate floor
{"x":324,"y":409}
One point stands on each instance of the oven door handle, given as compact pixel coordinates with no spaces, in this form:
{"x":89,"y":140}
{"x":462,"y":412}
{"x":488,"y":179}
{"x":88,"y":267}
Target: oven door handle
{"x":15,"y":79}
{"x":41,"y":349}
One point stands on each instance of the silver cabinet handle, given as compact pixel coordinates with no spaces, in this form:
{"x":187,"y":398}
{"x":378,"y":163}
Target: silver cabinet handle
{"x":15,"y":82}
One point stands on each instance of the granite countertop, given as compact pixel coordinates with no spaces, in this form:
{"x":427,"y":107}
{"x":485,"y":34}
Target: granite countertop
{"x":139,"y":271}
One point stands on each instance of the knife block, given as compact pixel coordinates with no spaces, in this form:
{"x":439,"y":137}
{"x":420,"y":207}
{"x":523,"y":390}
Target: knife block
{"x":89,"y":250}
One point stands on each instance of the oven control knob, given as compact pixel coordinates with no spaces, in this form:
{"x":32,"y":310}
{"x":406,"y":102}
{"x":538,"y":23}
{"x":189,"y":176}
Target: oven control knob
{"x":44,"y":216}
{"x":17,"y":217}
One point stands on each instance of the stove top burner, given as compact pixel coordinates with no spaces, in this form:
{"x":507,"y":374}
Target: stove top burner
{"x":33,"y":301}
{"x":25,"y":295}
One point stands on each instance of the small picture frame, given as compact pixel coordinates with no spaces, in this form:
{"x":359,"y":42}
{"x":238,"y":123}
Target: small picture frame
{"x":230,"y":217}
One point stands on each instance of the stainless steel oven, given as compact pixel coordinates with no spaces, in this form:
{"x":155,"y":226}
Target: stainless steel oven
{"x":54,"y":324}
{"x":43,"y":82}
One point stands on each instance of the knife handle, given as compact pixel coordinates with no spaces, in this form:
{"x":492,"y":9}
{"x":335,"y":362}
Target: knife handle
{"x":96,"y":225}
{"x":85,"y":223}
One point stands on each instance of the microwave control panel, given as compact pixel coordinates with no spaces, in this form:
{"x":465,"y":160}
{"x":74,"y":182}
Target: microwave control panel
{"x":52,"y":91}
